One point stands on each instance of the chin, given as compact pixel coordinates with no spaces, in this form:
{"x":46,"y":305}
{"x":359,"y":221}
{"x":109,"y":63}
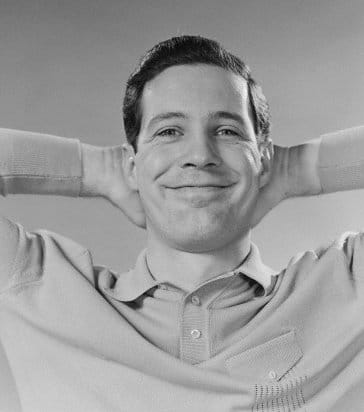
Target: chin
{"x":196,"y":245}
{"x":203,"y":230}
{"x":199,"y":239}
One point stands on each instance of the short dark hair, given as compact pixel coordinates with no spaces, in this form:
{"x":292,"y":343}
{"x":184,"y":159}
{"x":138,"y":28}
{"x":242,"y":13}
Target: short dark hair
{"x":181,"y":50}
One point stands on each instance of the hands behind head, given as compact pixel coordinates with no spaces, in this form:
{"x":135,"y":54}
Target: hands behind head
{"x":277,"y":187}
{"x":117,"y":191}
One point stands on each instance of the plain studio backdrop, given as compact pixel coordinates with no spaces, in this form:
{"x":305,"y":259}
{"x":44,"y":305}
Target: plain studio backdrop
{"x":63,"y":68}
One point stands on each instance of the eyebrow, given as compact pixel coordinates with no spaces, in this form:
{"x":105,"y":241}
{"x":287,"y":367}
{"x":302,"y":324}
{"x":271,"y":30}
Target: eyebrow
{"x":212,"y":116}
{"x":166,"y":116}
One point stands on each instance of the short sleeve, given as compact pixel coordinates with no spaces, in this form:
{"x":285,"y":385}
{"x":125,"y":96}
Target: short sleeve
{"x":348,"y":265}
{"x":353,"y":248}
{"x":20,"y":253}
{"x":9,"y":240}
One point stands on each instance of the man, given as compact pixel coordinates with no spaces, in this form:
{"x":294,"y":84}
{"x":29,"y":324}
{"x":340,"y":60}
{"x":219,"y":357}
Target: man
{"x":200,"y":323}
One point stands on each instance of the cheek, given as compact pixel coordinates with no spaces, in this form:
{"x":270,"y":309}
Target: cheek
{"x":149,"y":166}
{"x":245,"y":163}
{"x":244,"y":160}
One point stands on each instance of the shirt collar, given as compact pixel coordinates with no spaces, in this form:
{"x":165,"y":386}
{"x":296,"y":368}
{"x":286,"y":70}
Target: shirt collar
{"x":130,"y":285}
{"x":254,"y":268}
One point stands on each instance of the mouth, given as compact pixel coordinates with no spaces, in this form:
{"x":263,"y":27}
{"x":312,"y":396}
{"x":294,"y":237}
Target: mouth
{"x":208,"y":186}
{"x":200,"y":192}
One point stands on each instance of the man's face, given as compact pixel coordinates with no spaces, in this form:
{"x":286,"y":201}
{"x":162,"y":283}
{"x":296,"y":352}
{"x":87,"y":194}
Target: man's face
{"x":197,"y":165}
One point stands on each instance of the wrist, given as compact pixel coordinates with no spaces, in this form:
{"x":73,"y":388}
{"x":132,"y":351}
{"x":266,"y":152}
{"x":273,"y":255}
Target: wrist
{"x":303,"y":177}
{"x":92,"y":170}
{"x":341,"y":163}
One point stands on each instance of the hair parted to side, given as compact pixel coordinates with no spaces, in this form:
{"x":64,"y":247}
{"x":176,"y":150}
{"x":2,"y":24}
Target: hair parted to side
{"x":186,"y":49}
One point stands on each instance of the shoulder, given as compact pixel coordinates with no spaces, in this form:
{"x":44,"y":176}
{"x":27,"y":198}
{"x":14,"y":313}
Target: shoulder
{"x":345,"y":253}
{"x":345,"y":244}
{"x":337,"y":261}
{"x":349,"y":245}
{"x":9,"y":241}
{"x":25,"y":254}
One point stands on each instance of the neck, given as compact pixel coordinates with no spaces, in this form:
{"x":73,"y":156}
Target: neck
{"x":188,"y":270}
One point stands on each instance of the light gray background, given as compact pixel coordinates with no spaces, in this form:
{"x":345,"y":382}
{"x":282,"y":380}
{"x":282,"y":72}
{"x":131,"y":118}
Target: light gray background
{"x":63,"y":66}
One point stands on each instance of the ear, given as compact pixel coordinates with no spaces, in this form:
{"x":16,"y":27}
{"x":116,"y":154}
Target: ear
{"x":129,"y":166}
{"x":266,"y":157}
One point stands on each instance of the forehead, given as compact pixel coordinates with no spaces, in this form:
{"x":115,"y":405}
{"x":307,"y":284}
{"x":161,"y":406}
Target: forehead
{"x":195,"y":90}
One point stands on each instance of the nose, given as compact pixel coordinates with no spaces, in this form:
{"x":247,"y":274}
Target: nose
{"x":201,"y":153}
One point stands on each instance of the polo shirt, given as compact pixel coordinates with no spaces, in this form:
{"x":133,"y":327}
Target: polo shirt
{"x":81,"y":337}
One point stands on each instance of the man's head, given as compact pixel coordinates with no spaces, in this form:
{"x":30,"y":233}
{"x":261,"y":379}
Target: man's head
{"x":200,"y":143}
{"x":189,"y":50}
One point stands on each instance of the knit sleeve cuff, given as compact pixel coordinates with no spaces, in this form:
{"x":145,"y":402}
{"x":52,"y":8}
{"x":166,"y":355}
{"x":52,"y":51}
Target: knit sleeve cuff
{"x":341,"y":160}
{"x":33,"y":163}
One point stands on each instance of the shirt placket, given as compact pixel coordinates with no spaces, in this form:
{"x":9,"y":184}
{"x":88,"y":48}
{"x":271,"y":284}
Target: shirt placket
{"x":194,"y":343}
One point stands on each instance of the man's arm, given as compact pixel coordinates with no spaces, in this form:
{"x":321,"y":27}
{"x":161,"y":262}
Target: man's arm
{"x":341,"y":160}
{"x":36,"y":163}
{"x":331,"y":163}
{"x":334,"y":162}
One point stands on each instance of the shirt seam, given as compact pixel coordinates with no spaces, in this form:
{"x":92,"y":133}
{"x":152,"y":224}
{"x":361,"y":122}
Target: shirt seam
{"x":15,"y":260}
{"x":209,"y":332}
{"x":209,"y":306}
{"x":343,"y":166}
{"x":53,"y":176}
{"x":27,"y":283}
{"x":180,"y":327}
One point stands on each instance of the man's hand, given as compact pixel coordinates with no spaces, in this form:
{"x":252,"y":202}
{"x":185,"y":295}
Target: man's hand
{"x":277,"y":188}
{"x":293,"y":173}
{"x":103,"y":176}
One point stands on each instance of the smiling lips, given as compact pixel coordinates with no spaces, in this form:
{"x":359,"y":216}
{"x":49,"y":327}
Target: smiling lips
{"x":200,"y":189}
{"x":200,"y":185}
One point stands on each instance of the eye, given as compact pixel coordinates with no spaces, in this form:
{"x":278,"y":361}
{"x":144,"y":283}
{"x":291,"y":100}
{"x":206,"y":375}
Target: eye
{"x":228,"y":132}
{"x":168,"y":132}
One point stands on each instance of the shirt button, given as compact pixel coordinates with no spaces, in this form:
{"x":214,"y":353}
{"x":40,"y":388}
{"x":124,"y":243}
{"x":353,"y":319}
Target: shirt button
{"x":272,"y":375}
{"x":195,"y":300}
{"x":195,"y":333}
